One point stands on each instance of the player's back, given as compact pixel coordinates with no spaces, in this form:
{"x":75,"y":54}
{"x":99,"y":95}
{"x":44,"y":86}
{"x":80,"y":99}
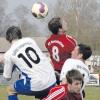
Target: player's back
{"x":32,"y":62}
{"x":60,"y":47}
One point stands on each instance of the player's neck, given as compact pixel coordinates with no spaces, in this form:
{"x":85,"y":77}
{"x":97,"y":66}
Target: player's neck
{"x":61,"y":31}
{"x":14,"y":41}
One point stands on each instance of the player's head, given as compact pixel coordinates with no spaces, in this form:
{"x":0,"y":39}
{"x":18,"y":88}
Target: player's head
{"x":55,"y":25}
{"x":13,"y":33}
{"x":82,"y":51}
{"x":74,"y":80}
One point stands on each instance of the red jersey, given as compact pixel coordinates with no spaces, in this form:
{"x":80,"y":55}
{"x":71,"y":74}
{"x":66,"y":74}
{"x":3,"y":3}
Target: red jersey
{"x":61,"y":93}
{"x":60,"y":48}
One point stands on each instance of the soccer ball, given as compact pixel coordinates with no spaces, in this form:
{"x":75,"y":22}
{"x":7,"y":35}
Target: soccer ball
{"x":39,"y":10}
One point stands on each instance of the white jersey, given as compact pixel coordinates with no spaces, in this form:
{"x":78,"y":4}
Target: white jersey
{"x":78,"y":65}
{"x":31,"y":62}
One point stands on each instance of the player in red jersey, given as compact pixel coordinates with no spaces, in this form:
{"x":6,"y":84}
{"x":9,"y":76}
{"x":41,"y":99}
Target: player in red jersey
{"x":69,"y":91}
{"x":59,"y":45}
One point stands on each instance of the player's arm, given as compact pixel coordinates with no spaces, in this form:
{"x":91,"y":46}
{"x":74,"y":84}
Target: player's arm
{"x":8,"y":67}
{"x":46,"y":43}
{"x":57,"y":93}
{"x":1,"y":58}
{"x":7,"y":73}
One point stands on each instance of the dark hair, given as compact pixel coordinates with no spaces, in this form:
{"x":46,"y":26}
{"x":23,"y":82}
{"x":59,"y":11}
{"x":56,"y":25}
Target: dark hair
{"x":85,"y":50}
{"x":54,"y":25}
{"x":12,"y":33}
{"x":73,"y":75}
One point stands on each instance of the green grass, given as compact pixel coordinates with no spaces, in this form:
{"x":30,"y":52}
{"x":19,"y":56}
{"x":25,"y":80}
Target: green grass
{"x":92,"y":93}
{"x":3,"y":95}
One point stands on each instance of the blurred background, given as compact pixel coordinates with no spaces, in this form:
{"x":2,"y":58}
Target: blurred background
{"x":81,"y":18}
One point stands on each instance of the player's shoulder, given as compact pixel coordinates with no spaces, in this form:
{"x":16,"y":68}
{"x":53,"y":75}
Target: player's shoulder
{"x":58,"y":87}
{"x":69,"y":36}
{"x":71,"y":61}
{"x":48,"y":38}
{"x":57,"y":92}
{"x":27,"y":39}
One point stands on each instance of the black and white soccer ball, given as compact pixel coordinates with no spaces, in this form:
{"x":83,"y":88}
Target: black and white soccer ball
{"x":40,"y":10}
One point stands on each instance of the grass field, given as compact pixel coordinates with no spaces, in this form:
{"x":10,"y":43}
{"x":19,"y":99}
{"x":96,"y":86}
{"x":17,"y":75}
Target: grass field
{"x":92,"y":93}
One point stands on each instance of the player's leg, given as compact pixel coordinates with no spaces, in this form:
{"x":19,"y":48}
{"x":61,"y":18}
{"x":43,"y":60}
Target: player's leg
{"x":57,"y":73}
{"x":43,"y":93}
{"x":83,"y":92}
{"x":23,"y":88}
{"x":17,"y":88}
{"x":12,"y":95}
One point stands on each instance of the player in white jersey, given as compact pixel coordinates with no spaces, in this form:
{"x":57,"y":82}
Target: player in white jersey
{"x":37,"y":74}
{"x":77,"y":61}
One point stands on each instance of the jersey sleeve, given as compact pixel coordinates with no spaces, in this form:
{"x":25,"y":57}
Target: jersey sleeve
{"x":72,"y":39}
{"x":57,"y":93}
{"x":71,"y":42}
{"x":8,"y":66}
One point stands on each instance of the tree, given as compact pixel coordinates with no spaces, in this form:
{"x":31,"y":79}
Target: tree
{"x":3,"y":5}
{"x":83,"y":19}
{"x":22,"y":13}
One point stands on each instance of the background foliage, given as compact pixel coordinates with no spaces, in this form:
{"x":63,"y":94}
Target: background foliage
{"x":81,"y":19}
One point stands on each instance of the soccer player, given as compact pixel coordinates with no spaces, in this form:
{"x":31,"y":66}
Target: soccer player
{"x":68,"y":91}
{"x":59,"y":44}
{"x":37,"y":74}
{"x":77,"y":61}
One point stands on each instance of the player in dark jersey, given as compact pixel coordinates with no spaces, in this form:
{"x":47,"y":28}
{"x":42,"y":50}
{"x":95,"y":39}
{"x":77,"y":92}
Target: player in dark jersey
{"x":70,"y":90}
